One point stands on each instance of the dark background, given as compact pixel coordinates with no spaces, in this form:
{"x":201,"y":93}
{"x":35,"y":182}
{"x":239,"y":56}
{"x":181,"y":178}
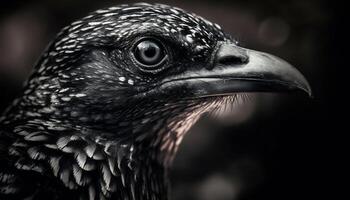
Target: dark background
{"x":272,"y":147}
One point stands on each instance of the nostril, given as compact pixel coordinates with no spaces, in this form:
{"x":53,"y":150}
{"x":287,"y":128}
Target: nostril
{"x":231,"y":54}
{"x":232,"y":60}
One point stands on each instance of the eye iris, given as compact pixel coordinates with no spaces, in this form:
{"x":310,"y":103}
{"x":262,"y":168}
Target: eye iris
{"x":149,"y":52}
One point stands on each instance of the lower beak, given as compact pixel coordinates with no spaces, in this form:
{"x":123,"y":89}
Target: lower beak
{"x":235,"y":69}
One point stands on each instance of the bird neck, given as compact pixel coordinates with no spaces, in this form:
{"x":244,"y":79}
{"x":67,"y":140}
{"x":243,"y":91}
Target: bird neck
{"x":106,"y":169}
{"x":130,"y":155}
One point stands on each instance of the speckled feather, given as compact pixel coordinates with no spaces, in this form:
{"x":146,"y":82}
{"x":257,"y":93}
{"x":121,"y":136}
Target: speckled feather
{"x":86,"y":127}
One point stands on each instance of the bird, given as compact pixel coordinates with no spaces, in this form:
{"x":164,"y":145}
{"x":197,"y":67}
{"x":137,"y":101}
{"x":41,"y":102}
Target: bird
{"x":111,"y":98}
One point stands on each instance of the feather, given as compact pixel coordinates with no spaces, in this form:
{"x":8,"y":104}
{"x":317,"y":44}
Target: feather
{"x":51,"y":146}
{"x":21,"y":131}
{"x":7,"y":178}
{"x":92,"y":192}
{"x":81,"y":178}
{"x":23,"y":164}
{"x":62,"y":144}
{"x":94,"y":152}
{"x":54,"y":163}
{"x":37,"y":137}
{"x":112,"y":165}
{"x":64,"y":176}
{"x":84,"y":162}
{"x":34,"y":153}
{"x":108,"y":179}
{"x":14,"y":151}
{"x":9,"y":189}
{"x":102,"y":197}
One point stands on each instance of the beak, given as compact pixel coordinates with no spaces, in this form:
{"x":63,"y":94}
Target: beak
{"x":235,"y":69}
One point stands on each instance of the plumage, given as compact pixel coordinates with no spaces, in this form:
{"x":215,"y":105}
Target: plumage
{"x":108,"y":103}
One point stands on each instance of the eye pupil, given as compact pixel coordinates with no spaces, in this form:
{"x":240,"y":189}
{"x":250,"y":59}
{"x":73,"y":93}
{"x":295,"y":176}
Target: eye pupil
{"x":149,"y":53}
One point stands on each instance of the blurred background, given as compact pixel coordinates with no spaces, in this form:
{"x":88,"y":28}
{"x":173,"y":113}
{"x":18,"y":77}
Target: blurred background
{"x":271,"y":147}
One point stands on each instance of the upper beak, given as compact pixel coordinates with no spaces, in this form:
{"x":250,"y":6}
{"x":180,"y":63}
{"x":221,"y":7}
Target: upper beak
{"x":235,"y":69}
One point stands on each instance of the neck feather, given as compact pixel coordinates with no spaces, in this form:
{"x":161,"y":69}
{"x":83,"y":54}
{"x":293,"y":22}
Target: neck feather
{"x":131,"y":163}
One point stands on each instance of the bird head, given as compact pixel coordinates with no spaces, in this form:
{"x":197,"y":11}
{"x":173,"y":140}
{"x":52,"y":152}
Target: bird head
{"x":145,"y":72}
{"x":108,"y":103}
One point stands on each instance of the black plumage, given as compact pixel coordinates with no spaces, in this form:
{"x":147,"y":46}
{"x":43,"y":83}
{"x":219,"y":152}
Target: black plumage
{"x":108,"y":103}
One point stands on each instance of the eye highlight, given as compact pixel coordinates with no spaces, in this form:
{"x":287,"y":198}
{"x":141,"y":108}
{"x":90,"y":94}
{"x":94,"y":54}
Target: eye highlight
{"x":150,"y":54}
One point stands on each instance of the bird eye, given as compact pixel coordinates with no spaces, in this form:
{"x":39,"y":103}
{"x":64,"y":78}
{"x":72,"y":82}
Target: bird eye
{"x":149,"y":54}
